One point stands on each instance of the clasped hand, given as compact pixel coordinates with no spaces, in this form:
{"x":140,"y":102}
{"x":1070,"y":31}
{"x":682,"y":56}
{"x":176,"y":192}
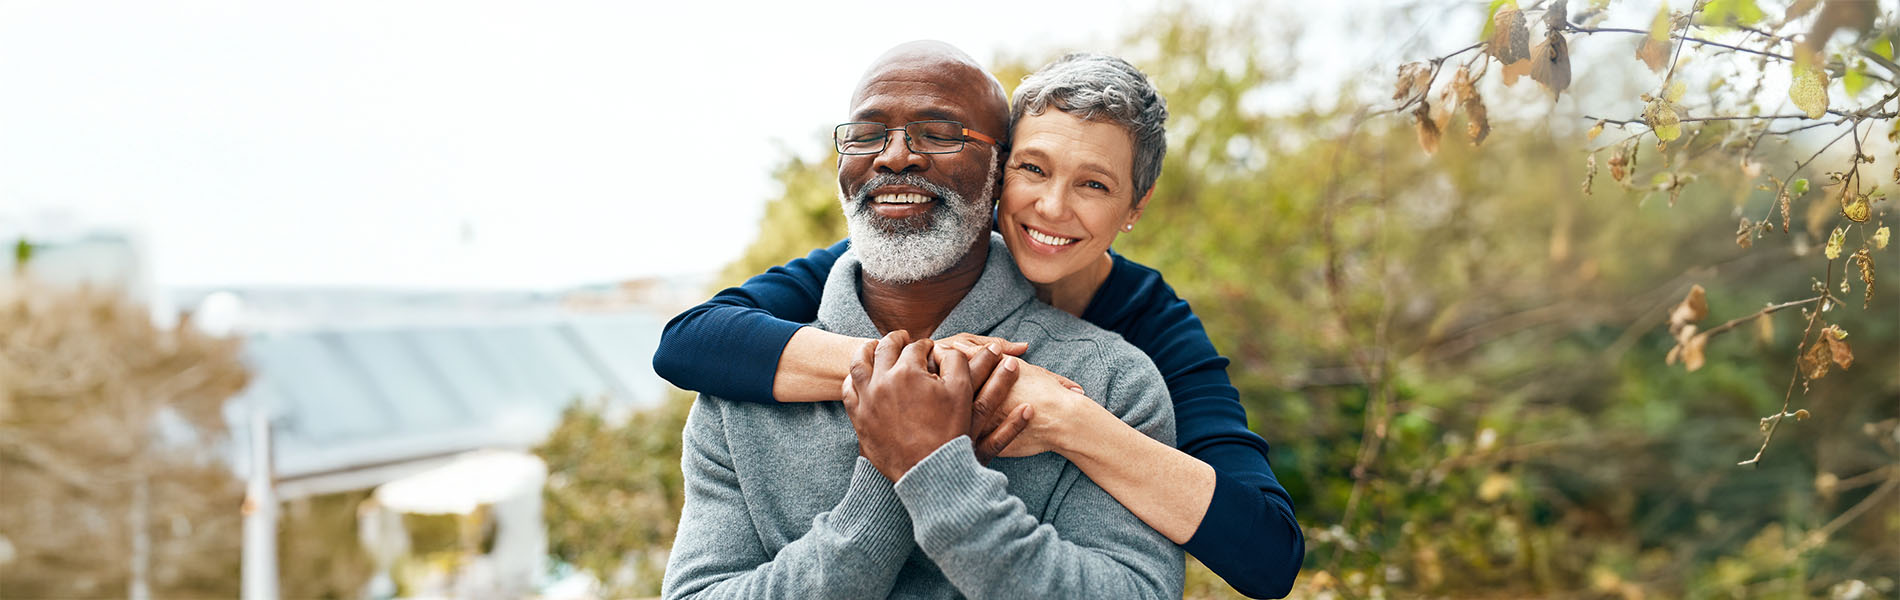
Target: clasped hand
{"x":908,"y":398}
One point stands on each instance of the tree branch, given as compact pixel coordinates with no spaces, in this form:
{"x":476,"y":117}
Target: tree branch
{"x":1575,"y":29}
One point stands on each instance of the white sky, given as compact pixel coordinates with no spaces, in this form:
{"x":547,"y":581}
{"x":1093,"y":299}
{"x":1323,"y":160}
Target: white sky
{"x":444,"y":144}
{"x":480,"y":144}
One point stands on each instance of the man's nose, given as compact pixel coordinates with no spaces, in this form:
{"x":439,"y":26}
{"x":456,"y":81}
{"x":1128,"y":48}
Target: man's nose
{"x":897,"y":156}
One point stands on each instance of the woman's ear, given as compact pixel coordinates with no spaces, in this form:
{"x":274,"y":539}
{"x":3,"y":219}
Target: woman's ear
{"x":1140,"y":205}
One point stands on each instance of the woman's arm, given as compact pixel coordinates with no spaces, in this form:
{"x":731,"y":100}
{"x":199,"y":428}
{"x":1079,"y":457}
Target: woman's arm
{"x":748,"y":342}
{"x":1241,"y":518}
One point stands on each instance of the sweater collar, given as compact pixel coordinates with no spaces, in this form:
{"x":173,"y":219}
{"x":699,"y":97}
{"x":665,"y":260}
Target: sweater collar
{"x":999,"y":292}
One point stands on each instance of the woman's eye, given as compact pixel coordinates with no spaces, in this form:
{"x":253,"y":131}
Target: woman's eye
{"x":1030,"y":168}
{"x":1096,"y":185}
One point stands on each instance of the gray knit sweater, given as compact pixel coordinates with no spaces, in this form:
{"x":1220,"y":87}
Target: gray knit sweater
{"x":780,"y":505}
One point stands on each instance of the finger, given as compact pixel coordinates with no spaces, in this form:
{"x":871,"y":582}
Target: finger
{"x":861,"y":365}
{"x":999,"y":439}
{"x":888,"y":348}
{"x":956,"y":372}
{"x":1069,"y":383}
{"x":915,"y":356}
{"x":1013,"y":348}
{"x":983,"y":364}
{"x":986,"y":413}
{"x":849,"y":394}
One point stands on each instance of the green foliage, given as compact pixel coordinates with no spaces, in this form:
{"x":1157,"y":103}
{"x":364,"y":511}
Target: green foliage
{"x":614,"y":493}
{"x":1458,"y":358}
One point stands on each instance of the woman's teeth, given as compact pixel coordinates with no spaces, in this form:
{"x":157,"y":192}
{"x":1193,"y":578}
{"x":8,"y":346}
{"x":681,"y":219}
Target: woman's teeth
{"x":902,"y":199}
{"x":1048,"y":239}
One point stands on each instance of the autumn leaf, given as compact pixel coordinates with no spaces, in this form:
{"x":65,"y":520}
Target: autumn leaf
{"x":1745,"y":233}
{"x":1865,"y":260}
{"x":1510,"y":39}
{"x":1786,"y":218}
{"x":1834,"y":242}
{"x":1589,"y":172}
{"x":1813,"y":362}
{"x":1880,"y":237}
{"x":1617,"y":166}
{"x":1837,"y":346}
{"x":1595,"y":131}
{"x":1857,"y":207}
{"x":1809,"y":90}
{"x":1692,"y":358}
{"x":1550,"y":64}
{"x":1693,"y":308}
{"x":1654,"y":50}
{"x":1413,"y":77}
{"x":1428,"y":133}
{"x":1477,"y":121}
{"x":1660,"y":115}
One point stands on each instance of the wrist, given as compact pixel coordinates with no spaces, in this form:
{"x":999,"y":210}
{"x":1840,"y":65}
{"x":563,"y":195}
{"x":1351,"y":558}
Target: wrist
{"x":1077,"y":422}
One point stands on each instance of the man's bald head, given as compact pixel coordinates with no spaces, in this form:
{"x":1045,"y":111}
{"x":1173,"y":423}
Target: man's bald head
{"x":944,"y":66}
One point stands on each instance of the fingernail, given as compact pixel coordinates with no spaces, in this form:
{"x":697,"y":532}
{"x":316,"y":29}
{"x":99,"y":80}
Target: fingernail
{"x":1009,"y":363}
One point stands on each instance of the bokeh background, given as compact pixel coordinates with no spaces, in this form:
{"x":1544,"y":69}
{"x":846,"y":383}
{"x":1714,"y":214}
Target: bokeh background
{"x":406,"y":233}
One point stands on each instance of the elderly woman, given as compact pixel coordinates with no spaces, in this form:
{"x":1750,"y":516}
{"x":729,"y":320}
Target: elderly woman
{"x":1088,"y":140}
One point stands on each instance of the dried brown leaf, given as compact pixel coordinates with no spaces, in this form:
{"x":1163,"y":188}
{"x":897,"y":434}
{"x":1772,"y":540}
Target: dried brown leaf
{"x":1745,"y":234}
{"x":1865,"y":260}
{"x":1655,"y":47}
{"x":1554,"y":17}
{"x":1813,"y":362}
{"x":1510,"y":39}
{"x":1428,"y":132}
{"x":1550,"y":64}
{"x":1786,"y":217}
{"x":1692,"y":358}
{"x":1693,"y":308}
{"x":1589,"y":172}
{"x":1617,"y":163}
{"x":1414,"y":77}
{"x":1837,"y":346}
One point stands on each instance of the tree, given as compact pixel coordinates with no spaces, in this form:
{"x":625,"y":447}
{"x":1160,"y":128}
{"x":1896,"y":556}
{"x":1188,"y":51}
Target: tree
{"x":110,"y":464}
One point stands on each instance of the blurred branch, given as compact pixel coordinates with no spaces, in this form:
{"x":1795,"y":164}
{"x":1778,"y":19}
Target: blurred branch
{"x":1681,"y":38}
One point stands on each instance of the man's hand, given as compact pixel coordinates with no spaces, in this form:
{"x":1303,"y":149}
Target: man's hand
{"x":902,"y":409}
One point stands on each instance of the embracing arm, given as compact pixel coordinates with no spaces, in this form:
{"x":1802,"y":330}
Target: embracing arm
{"x":1240,"y":517}
{"x":854,"y":550}
{"x":749,"y":343}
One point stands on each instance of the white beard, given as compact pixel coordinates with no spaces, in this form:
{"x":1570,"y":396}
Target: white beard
{"x":897,"y":252}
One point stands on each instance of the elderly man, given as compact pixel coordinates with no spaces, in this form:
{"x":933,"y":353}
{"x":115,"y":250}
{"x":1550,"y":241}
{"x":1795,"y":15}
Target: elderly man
{"x":882,"y":495}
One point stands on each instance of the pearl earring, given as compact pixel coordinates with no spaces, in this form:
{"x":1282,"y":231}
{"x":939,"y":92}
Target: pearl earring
{"x":1128,"y":227}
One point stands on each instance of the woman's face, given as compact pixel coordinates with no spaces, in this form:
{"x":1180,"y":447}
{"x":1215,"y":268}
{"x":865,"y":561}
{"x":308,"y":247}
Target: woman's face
{"x":1068,"y":189}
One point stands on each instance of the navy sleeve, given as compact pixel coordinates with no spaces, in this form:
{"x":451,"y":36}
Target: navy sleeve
{"x":1249,"y":536}
{"x":730,"y":345}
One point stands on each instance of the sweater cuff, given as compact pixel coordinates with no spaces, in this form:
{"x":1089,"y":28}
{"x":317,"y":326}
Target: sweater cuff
{"x":944,"y":492}
{"x":870,"y":514}
{"x":1232,"y":519}
{"x":766,"y":333}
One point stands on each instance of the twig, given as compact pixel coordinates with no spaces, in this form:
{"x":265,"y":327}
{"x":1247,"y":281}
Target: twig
{"x":1759,"y":314}
{"x":1575,"y":29}
{"x":1773,"y":422}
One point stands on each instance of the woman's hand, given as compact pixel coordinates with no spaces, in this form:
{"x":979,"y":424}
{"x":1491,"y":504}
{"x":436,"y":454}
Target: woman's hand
{"x":1055,"y":406}
{"x":971,"y":345}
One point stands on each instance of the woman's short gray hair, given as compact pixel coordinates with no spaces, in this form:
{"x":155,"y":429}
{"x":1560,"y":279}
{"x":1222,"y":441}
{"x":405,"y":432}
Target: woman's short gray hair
{"x":1099,"y":87}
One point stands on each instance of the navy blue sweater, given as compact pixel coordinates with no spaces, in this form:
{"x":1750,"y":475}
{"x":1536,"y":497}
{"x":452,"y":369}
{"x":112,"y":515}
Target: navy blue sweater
{"x":730,"y":347}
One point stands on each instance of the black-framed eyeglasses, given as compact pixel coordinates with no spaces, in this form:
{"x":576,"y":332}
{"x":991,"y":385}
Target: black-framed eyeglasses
{"x":922,"y":137}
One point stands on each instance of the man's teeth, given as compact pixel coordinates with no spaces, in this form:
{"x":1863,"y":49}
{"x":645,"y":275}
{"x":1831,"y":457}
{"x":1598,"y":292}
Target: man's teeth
{"x":902,"y":199}
{"x":1048,"y":239}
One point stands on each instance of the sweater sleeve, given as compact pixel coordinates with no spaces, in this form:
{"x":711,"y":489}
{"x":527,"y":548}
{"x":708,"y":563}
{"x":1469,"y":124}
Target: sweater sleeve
{"x":1249,"y":535}
{"x":729,"y":346}
{"x":854,"y":550}
{"x":989,"y":546}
